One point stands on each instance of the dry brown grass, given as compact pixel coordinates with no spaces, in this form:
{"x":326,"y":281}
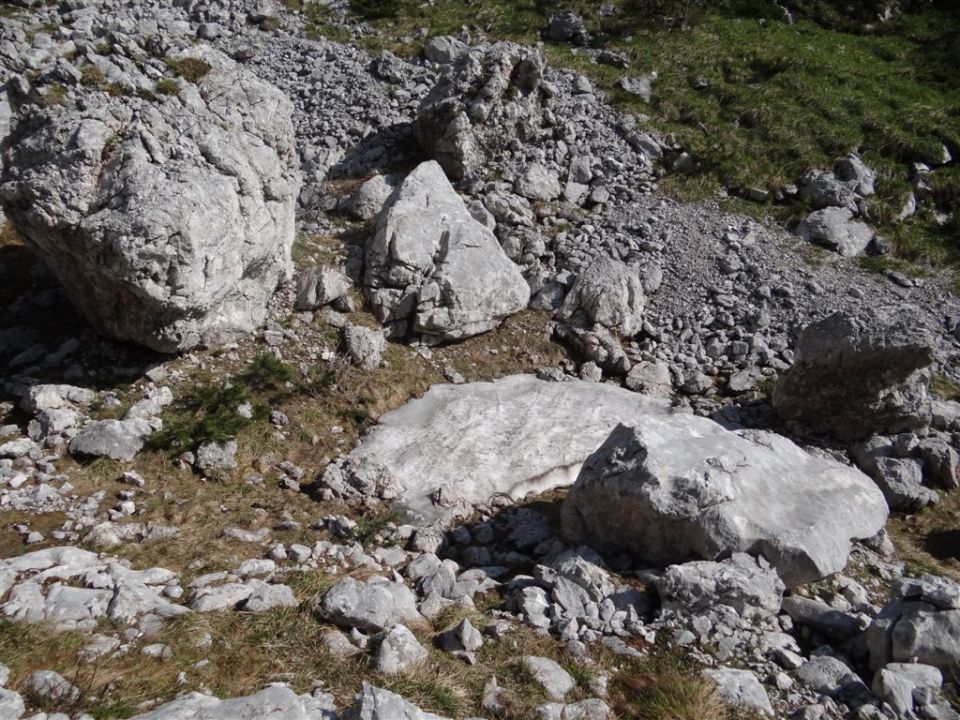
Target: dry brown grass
{"x":664,"y":692}
{"x":929,"y":541}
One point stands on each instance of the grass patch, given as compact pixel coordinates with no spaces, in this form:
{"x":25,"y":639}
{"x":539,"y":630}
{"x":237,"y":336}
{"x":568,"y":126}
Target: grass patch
{"x":91,"y":76}
{"x":319,"y":20}
{"x":945,"y":388}
{"x":53,"y":95}
{"x":190,"y":69}
{"x":757,"y":101}
{"x":167,"y":86}
{"x":667,"y":688}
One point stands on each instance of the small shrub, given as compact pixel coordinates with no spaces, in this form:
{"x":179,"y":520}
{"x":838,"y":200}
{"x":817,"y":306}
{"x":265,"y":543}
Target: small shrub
{"x":265,"y":372}
{"x":319,"y":383}
{"x":109,"y":147}
{"x":360,"y":417}
{"x":91,"y":76}
{"x":167,"y":86}
{"x":103,"y":48}
{"x":208,"y":413}
{"x":190,"y":69}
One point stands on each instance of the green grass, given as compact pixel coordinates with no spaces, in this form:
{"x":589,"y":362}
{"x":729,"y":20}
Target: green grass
{"x":779,"y":99}
{"x":206,"y":413}
{"x":318,"y":20}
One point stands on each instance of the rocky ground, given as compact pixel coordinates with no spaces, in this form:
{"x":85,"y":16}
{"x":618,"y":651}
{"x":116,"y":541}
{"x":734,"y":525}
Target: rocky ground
{"x":369,"y":387}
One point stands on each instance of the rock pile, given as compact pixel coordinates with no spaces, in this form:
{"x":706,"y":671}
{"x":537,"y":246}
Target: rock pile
{"x":837,"y":198}
{"x":484,"y":101}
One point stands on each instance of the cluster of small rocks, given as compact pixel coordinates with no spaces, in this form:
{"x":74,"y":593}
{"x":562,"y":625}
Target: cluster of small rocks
{"x":536,"y":193}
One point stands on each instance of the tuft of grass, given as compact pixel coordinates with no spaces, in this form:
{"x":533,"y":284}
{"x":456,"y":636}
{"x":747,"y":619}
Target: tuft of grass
{"x":167,"y":86}
{"x":53,"y":95}
{"x":668,"y":694}
{"x":190,"y":69}
{"x":109,"y":147}
{"x":91,"y":76}
{"x":944,"y":387}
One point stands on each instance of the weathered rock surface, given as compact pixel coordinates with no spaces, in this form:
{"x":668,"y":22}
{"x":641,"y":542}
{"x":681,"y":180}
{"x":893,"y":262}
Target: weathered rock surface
{"x":741,"y":688}
{"x":74,"y":589}
{"x":273,"y":703}
{"x":439,"y":456}
{"x":169,"y":222}
{"x":900,"y":478}
{"x":485,"y":100}
{"x":857,"y":375}
{"x":835,"y":228}
{"x":435,"y":271}
{"x":680,"y":487}
{"x":373,"y":605}
{"x":607,"y":293}
{"x":320,"y":285}
{"x":399,"y":651}
{"x":920,"y":623}
{"x":555,"y":681}
{"x":741,"y":582}
{"x":374,"y":703}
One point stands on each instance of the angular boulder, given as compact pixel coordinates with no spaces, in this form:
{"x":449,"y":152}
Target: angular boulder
{"x":920,"y":623}
{"x":835,"y":228}
{"x":741,"y":689}
{"x":485,"y":100}
{"x":169,"y":221}
{"x":857,"y":375}
{"x":435,"y":271}
{"x":458,"y":446}
{"x":374,"y":605}
{"x":607,"y":293}
{"x":681,"y":488}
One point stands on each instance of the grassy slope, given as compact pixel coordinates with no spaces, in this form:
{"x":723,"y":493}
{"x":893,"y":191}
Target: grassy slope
{"x":780,"y":99}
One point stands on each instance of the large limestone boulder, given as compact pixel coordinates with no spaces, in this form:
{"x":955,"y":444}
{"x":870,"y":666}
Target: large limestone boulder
{"x":437,"y":457}
{"x":435,"y":271}
{"x":169,"y":221}
{"x":485,"y":100}
{"x":677,"y":488}
{"x":857,"y":375}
